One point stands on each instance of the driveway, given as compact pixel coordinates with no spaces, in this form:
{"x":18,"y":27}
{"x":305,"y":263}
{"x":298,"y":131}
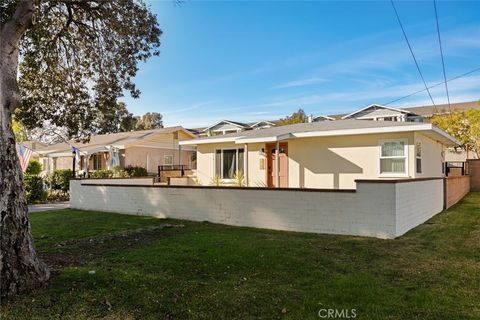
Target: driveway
{"x":48,"y":206}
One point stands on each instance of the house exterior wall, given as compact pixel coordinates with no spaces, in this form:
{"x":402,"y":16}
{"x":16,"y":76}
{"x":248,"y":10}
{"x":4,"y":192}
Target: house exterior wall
{"x":328,"y":162}
{"x":56,"y":163}
{"x":335,"y":162}
{"x":431,"y":157}
{"x":377,"y":209}
{"x":150,"y":158}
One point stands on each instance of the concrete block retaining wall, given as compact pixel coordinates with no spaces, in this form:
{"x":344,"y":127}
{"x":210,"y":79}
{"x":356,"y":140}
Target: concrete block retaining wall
{"x":383,"y":209}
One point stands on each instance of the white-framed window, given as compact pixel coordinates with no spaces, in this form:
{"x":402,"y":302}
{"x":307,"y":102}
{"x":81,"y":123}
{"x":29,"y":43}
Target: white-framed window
{"x":418,"y":156}
{"x":168,"y":160}
{"x":393,"y":158}
{"x":227,"y":162}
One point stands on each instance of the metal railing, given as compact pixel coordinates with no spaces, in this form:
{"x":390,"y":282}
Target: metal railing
{"x":174,"y":167}
{"x":462,"y":166}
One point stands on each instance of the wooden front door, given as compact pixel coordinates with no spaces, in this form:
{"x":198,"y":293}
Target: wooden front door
{"x":271,"y":169}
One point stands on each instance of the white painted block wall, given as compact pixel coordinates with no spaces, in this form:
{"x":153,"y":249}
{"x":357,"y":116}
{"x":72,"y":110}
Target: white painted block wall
{"x":416,"y":202}
{"x":373,"y":210}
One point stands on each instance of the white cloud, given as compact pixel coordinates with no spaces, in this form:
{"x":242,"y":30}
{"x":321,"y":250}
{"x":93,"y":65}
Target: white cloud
{"x":300,"y":83}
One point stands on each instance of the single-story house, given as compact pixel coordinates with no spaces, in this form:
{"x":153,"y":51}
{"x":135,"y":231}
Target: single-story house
{"x":325,"y":154}
{"x":378,"y":112}
{"x":228,"y":126}
{"x":147,"y":149}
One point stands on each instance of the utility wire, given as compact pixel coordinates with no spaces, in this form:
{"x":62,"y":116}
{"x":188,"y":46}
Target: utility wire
{"x":413,"y":55}
{"x":441,"y":53}
{"x":433,"y":86}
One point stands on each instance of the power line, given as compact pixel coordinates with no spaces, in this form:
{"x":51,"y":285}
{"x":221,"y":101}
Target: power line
{"x":433,"y":86}
{"x":441,"y":53}
{"x":413,"y":55}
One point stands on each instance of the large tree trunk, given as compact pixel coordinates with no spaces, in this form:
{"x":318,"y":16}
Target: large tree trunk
{"x":20,"y":268}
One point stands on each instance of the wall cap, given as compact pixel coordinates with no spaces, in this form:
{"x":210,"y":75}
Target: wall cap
{"x":396,"y":180}
{"x":221,"y":187}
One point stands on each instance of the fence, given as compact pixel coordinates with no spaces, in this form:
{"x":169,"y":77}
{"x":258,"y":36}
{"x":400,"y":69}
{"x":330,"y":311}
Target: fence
{"x":455,"y":188}
{"x":474,"y":174}
{"x":167,"y":171}
{"x":459,"y":168}
{"x":377,"y":208}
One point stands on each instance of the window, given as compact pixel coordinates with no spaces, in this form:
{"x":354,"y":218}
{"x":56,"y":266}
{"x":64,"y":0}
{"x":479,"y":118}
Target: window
{"x":168,"y":160}
{"x":227,"y":162}
{"x":97,"y":161}
{"x":393,"y":158}
{"x":418,"y":156}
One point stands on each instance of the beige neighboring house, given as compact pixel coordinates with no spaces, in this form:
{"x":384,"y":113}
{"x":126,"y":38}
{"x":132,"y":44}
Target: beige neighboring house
{"x":326,"y":154}
{"x":147,"y":149}
{"x":33,"y":145}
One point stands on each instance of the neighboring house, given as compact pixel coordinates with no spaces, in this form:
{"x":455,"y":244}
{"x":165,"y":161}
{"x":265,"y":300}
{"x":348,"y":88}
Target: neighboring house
{"x":378,"y":112}
{"x":33,"y":145}
{"x":427,"y":112}
{"x":326,"y":154}
{"x":227,"y":126}
{"x":320,"y":118}
{"x":147,"y":149}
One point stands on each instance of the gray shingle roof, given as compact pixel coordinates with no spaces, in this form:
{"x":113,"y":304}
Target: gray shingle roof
{"x":314,"y":126}
{"x":109,"y":139}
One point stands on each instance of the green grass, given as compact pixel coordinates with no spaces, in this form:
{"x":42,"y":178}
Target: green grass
{"x":208,"y":271}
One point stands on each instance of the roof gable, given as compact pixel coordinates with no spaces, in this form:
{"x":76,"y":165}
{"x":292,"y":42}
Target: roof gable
{"x":226,"y":122}
{"x":372,"y":108}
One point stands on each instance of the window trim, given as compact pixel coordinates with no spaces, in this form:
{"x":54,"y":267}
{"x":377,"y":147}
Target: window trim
{"x":405,"y":156}
{"x":419,"y":157}
{"x":165,"y":157}
{"x":221,"y":162}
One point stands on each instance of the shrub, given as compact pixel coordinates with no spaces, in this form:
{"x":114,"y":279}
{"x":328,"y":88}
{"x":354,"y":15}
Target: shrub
{"x":57,"y":195}
{"x":118,"y":172}
{"x":34,"y":189}
{"x":60,"y":180}
{"x":216,"y":181}
{"x":239,"y":179}
{"x":101,"y":174}
{"x":136,"y":171}
{"x":34,"y":168}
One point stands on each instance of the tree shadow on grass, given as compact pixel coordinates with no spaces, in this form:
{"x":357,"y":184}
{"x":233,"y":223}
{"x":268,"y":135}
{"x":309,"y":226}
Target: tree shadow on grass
{"x":79,"y":252}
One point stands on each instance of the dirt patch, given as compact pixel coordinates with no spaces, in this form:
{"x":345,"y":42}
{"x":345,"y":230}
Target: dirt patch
{"x":79,"y":252}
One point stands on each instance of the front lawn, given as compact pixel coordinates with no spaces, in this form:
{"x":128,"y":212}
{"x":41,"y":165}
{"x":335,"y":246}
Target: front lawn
{"x":116,"y":266}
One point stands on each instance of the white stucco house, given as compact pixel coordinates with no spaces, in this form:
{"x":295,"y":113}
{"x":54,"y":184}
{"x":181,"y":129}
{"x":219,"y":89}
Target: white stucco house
{"x":325,"y":154}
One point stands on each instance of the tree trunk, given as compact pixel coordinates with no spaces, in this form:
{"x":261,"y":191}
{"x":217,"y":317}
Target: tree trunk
{"x":20,"y":268}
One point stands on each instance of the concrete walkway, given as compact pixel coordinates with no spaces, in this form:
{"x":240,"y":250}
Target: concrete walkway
{"x":48,"y":206}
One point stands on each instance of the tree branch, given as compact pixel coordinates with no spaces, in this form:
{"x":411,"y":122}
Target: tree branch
{"x":12,"y":31}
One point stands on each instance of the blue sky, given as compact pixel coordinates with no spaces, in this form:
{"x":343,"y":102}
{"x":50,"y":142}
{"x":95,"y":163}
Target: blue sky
{"x":249,"y":60}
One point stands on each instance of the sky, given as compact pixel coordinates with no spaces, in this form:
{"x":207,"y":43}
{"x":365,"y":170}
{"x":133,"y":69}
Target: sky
{"x":250,"y":61}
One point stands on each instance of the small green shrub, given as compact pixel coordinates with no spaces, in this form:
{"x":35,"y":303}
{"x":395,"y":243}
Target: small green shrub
{"x":216,"y":181}
{"x":34,"y":189}
{"x":136,"y":171}
{"x":57,"y":195}
{"x":239,"y":179}
{"x":34,"y":168}
{"x":118,"y":172}
{"x":60,"y":180}
{"x":101,"y":174}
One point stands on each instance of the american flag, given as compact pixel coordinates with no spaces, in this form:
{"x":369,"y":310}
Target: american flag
{"x":24,"y":154}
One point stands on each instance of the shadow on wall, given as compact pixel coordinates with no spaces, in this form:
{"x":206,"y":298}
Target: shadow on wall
{"x":323,"y":161}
